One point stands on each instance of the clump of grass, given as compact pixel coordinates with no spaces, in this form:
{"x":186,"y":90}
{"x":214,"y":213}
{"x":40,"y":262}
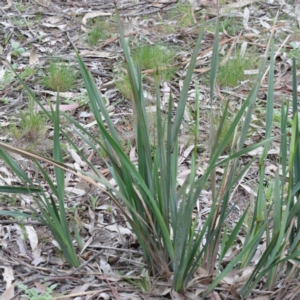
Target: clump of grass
{"x":232,"y":73}
{"x":31,"y":127}
{"x":184,"y":14}
{"x":33,"y":294}
{"x":230,"y":25}
{"x":99,"y":30}
{"x":96,"y":33}
{"x":123,"y":85}
{"x":59,"y":76}
{"x":156,"y":57}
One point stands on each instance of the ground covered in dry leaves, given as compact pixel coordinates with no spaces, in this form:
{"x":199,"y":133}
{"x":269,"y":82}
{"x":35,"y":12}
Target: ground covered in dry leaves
{"x":36,"y":33}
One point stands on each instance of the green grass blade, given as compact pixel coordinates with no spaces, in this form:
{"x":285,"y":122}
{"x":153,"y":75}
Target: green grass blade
{"x":96,"y":99}
{"x":270,"y":105}
{"x":18,"y":190}
{"x":186,"y":87}
{"x":16,"y":168}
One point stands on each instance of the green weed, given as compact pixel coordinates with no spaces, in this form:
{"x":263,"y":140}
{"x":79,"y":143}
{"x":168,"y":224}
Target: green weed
{"x":33,"y":294}
{"x":158,"y":58}
{"x":100,"y":30}
{"x":183,"y":13}
{"x":21,"y":6}
{"x":31,"y":127}
{"x":231,"y":26}
{"x":232,"y":73}
{"x":16,"y":49}
{"x":59,"y":76}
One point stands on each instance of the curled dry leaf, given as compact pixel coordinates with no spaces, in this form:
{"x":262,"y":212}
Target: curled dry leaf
{"x":94,"y":14}
{"x":104,"y":296}
{"x":33,"y":58}
{"x":9,"y":293}
{"x":97,"y":54}
{"x":176,"y":296}
{"x":120,"y":229}
{"x":9,"y":4}
{"x":32,"y":236}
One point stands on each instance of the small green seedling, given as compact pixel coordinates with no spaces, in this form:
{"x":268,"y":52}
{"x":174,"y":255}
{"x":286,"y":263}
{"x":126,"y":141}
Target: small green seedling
{"x":158,"y":58}
{"x":269,"y":190}
{"x":21,"y":6}
{"x":184,"y":14}
{"x":31,"y":127}
{"x":96,"y":33}
{"x":81,"y":99}
{"x":232,"y":73}
{"x":93,"y":201}
{"x":231,"y":26}
{"x":7,"y":76}
{"x":100,"y":30}
{"x":59,"y":76}
{"x":5,"y":100}
{"x":295,"y":52}
{"x":33,"y":294}
{"x":16,"y":49}
{"x":27,"y":73}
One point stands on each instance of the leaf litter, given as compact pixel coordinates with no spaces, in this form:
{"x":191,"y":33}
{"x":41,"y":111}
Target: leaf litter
{"x":37,"y":32}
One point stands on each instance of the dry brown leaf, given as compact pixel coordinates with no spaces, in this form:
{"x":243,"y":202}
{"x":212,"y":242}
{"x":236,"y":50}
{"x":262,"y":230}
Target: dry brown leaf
{"x":78,"y":192}
{"x":61,"y":94}
{"x":193,"y":296}
{"x":53,"y":19}
{"x":238,"y":4}
{"x":94,"y":14}
{"x":76,"y":157}
{"x":9,"y":4}
{"x":8,"y":293}
{"x":259,"y":151}
{"x":104,"y":296}
{"x":247,"y":272}
{"x":61,"y":27}
{"x":185,"y":155}
{"x":43,"y":3}
{"x":98,"y":54}
{"x":40,"y":287}
{"x":63,"y":107}
{"x":214,"y":296}
{"x":235,"y":293}
{"x":176,"y":296}
{"x":33,"y":58}
{"x":248,"y":189}
{"x":120,"y":229}
{"x":297,"y":12}
{"x":246,"y":18}
{"x":258,"y":253}
{"x":36,"y":253}
{"x":80,"y":288}
{"x":8,"y":276}
{"x":20,"y":240}
{"x":32,"y":236}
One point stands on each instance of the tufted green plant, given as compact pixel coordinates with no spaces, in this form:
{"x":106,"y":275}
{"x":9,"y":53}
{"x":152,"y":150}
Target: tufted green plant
{"x":174,"y":240}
